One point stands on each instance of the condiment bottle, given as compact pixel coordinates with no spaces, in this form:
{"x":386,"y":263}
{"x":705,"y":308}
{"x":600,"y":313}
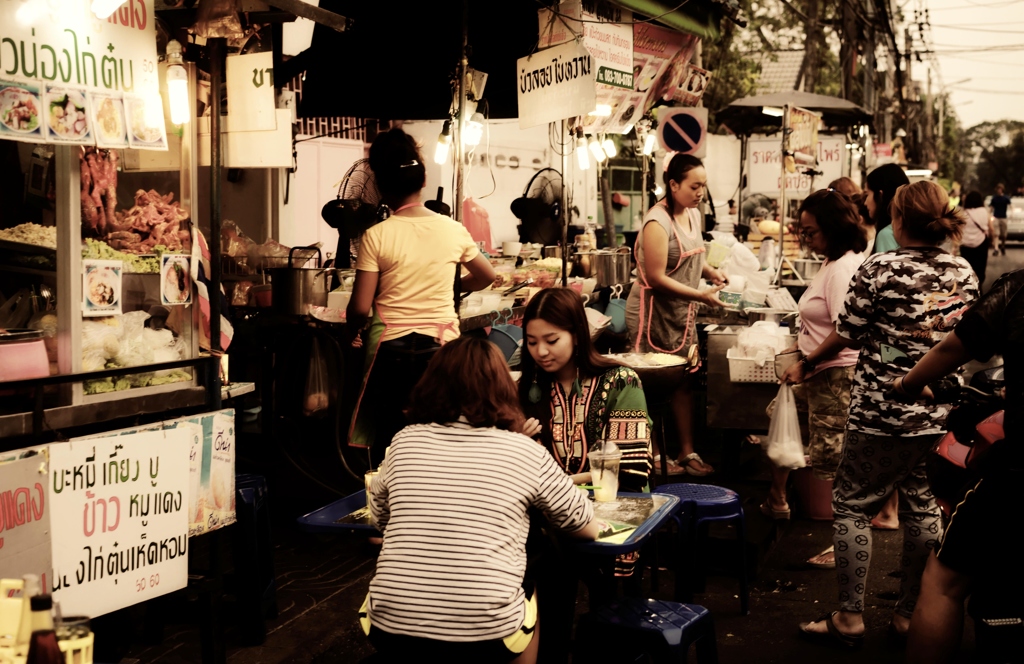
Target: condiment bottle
{"x":42,"y":647}
{"x":30,"y":589}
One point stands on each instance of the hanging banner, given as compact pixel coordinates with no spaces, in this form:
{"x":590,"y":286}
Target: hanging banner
{"x":803,"y":136}
{"x":53,"y":53}
{"x":250,"y":82}
{"x":764,"y":172}
{"x":605,"y":30}
{"x":555,"y":84}
{"x":25,"y":519}
{"x":119,"y":514}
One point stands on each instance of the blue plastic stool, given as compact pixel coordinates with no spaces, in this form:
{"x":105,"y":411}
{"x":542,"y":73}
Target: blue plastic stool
{"x":647,"y":630}
{"x":700,"y":503}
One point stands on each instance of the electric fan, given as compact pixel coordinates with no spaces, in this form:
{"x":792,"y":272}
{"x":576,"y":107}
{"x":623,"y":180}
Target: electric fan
{"x":540,"y":208}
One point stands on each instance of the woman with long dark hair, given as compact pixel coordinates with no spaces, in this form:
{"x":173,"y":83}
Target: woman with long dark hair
{"x":978,"y":233}
{"x":575,"y":397}
{"x":451,"y":498}
{"x":882,"y":184}
{"x":406,"y":272}
{"x":661,"y":312}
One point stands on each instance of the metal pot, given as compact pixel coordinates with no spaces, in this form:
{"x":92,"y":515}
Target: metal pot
{"x":608,"y":266}
{"x":552,"y":251}
{"x":807,"y":267}
{"x":295,"y":289}
{"x":756,"y":314}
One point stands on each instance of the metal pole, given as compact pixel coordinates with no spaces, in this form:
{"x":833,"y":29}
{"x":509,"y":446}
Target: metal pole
{"x":460,"y":119}
{"x":645,"y":169}
{"x":217,"y":51}
{"x":782,"y":192}
{"x":565,"y":204}
{"x":743,"y":165}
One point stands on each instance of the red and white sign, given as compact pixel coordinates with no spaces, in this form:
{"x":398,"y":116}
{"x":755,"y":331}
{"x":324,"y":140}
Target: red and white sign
{"x":764,"y":171}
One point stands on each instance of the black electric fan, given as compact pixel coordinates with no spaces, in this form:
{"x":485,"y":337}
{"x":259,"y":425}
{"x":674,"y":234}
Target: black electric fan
{"x":355,"y":208}
{"x":540,"y":208}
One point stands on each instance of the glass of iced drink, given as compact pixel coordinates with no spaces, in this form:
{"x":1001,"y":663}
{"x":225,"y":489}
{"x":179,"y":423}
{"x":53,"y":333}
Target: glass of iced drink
{"x":604,"y":471}
{"x":368,"y":480}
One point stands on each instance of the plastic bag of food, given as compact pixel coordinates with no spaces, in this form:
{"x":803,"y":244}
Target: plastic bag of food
{"x":762,"y":341}
{"x":234,"y":242}
{"x":269,"y":254}
{"x":101,"y":335}
{"x":240,"y":294}
{"x":316,"y":399}
{"x":219,"y":18}
{"x":785,"y":445}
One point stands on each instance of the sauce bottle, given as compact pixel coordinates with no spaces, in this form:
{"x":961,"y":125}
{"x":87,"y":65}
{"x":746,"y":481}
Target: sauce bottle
{"x":42,"y":646}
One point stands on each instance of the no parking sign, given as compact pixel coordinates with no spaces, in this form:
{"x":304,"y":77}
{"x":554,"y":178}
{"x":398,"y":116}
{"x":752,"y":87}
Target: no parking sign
{"x":683,"y":130}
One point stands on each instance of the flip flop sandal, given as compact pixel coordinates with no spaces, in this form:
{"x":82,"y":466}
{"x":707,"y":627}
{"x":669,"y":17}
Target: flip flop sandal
{"x":814,"y":562}
{"x":772,"y":513}
{"x":673,"y":467}
{"x":874,"y":527}
{"x":833,"y":637}
{"x":693,"y":456}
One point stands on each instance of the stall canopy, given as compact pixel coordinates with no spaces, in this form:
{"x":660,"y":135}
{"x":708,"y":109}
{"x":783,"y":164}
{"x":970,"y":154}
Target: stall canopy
{"x":746,"y":116}
{"x":396,"y":60}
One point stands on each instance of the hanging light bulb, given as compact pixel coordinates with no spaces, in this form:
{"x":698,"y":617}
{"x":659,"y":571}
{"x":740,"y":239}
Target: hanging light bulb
{"x":177,"y":84}
{"x":650,"y":141}
{"x":597,"y":150}
{"x":608,"y":145}
{"x":582,"y":156}
{"x":444,"y":141}
{"x":658,"y":191}
{"x":601,"y":111}
{"x":473,"y":130}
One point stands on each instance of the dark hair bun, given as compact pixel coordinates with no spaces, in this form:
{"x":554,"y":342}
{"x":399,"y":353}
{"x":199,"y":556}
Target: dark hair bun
{"x":397,"y":165}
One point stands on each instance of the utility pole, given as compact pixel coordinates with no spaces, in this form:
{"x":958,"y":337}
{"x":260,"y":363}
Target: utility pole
{"x":848,"y":50}
{"x":928,"y":107}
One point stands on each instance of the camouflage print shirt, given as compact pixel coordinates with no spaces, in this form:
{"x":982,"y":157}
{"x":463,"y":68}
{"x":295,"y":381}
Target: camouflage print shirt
{"x":900,"y":304}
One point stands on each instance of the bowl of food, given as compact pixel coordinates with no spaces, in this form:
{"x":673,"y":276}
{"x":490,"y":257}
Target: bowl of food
{"x":102,"y":287}
{"x":110,"y":120}
{"x":65,"y":115}
{"x":19,"y":110}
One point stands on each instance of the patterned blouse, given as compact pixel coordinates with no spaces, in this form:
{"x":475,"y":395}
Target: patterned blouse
{"x":608,"y":407}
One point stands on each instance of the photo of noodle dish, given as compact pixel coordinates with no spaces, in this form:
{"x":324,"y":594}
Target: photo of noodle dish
{"x":141,"y":131}
{"x":109,"y":114}
{"x":19,"y":109}
{"x":101,"y":287}
{"x":66,"y":115}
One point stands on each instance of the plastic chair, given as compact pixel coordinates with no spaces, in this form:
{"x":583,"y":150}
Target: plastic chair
{"x":703,"y":503}
{"x":630,"y":630}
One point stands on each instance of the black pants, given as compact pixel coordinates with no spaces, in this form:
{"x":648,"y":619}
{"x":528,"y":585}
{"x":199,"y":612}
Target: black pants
{"x":978,"y":258}
{"x":399,"y":365}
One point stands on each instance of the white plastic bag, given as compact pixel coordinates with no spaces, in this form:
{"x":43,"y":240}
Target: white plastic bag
{"x":785,"y":446}
{"x":317,"y":399}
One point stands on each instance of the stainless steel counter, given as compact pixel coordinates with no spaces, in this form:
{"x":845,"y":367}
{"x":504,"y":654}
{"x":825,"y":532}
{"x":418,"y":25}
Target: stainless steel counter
{"x":734,"y":405}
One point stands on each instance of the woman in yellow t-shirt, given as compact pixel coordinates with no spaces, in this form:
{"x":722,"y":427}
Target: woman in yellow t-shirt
{"x":406,"y":272}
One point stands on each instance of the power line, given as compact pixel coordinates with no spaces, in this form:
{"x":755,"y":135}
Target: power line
{"x":990,"y":92}
{"x":963,"y":27}
{"x":986,"y":62}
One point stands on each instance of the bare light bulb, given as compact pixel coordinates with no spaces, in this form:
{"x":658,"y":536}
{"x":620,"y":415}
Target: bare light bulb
{"x":102,"y":9}
{"x":597,"y":150}
{"x":608,"y":145}
{"x":177,"y":85}
{"x":658,"y":191}
{"x":473,"y":130}
{"x":582,"y":156}
{"x":444,"y":142}
{"x":650,"y":141}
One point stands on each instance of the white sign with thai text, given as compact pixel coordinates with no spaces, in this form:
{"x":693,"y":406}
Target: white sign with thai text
{"x":119,"y":515}
{"x":764,"y":171}
{"x":606,"y":31}
{"x":250,"y":81}
{"x":24,"y":518}
{"x":555,"y":84}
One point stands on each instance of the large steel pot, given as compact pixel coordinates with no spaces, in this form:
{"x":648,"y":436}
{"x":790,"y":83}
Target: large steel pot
{"x":807,"y":267}
{"x":608,"y":266}
{"x":295,"y":289}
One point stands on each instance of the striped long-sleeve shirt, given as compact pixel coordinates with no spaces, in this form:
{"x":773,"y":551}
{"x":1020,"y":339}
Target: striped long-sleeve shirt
{"x":452,"y":503}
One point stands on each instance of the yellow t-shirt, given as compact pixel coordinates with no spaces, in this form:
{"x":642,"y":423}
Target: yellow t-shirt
{"x":416,"y":258}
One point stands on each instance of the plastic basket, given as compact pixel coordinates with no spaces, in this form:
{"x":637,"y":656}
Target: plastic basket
{"x":77,"y":651}
{"x":745,"y":369}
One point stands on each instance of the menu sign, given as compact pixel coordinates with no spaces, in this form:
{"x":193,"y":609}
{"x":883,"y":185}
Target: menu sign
{"x":803,"y":135}
{"x":764,"y":169}
{"x":555,"y":84}
{"x":605,"y":31}
{"x":119,"y":511}
{"x":53,"y":55}
{"x":24,"y":518}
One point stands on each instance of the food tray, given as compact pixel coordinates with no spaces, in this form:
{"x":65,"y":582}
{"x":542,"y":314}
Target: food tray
{"x":26,"y":248}
{"x":745,"y":369}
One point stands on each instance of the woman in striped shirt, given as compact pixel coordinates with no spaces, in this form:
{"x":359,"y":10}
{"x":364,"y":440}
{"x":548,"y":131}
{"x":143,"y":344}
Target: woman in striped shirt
{"x":451,"y":499}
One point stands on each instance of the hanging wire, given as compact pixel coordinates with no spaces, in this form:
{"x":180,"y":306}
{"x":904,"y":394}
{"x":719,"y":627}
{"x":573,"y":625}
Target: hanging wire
{"x":640,"y":22}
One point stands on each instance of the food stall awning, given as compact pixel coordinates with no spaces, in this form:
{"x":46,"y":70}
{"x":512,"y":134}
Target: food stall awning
{"x":703,"y":19}
{"x":746,"y":116}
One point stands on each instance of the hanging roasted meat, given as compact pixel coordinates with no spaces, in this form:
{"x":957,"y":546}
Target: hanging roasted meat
{"x":99,"y":189}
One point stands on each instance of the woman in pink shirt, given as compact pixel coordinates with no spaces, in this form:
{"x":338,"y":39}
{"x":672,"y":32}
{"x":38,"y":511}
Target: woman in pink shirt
{"x":829,"y":226}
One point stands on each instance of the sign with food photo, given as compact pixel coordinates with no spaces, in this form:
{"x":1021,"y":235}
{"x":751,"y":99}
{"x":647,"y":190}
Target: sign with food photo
{"x":108,"y":119}
{"x":21,"y":112}
{"x":175,"y":279}
{"x":145,"y":119}
{"x":66,"y":116}
{"x":101,"y":288}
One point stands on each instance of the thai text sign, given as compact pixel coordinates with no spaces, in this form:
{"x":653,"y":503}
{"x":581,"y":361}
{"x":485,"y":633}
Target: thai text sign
{"x":606,"y":31}
{"x":66,"y":76}
{"x":803,"y":136}
{"x":119,"y":516}
{"x":24,"y":518}
{"x":555,"y":84}
{"x":765,"y":170}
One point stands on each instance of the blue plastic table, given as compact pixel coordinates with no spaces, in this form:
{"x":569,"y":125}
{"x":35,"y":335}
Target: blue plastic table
{"x":341,"y":515}
{"x":664,"y":506}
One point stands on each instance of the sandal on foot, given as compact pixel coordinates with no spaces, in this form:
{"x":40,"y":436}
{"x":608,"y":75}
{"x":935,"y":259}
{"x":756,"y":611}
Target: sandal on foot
{"x":689,"y":470}
{"x":772,"y":513}
{"x":673,"y":467}
{"x":833,"y":637}
{"x":818,"y":561}
{"x":876,"y":525}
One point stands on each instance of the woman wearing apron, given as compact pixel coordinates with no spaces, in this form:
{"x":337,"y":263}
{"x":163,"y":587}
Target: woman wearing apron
{"x":406,"y":272}
{"x":662,"y":307}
